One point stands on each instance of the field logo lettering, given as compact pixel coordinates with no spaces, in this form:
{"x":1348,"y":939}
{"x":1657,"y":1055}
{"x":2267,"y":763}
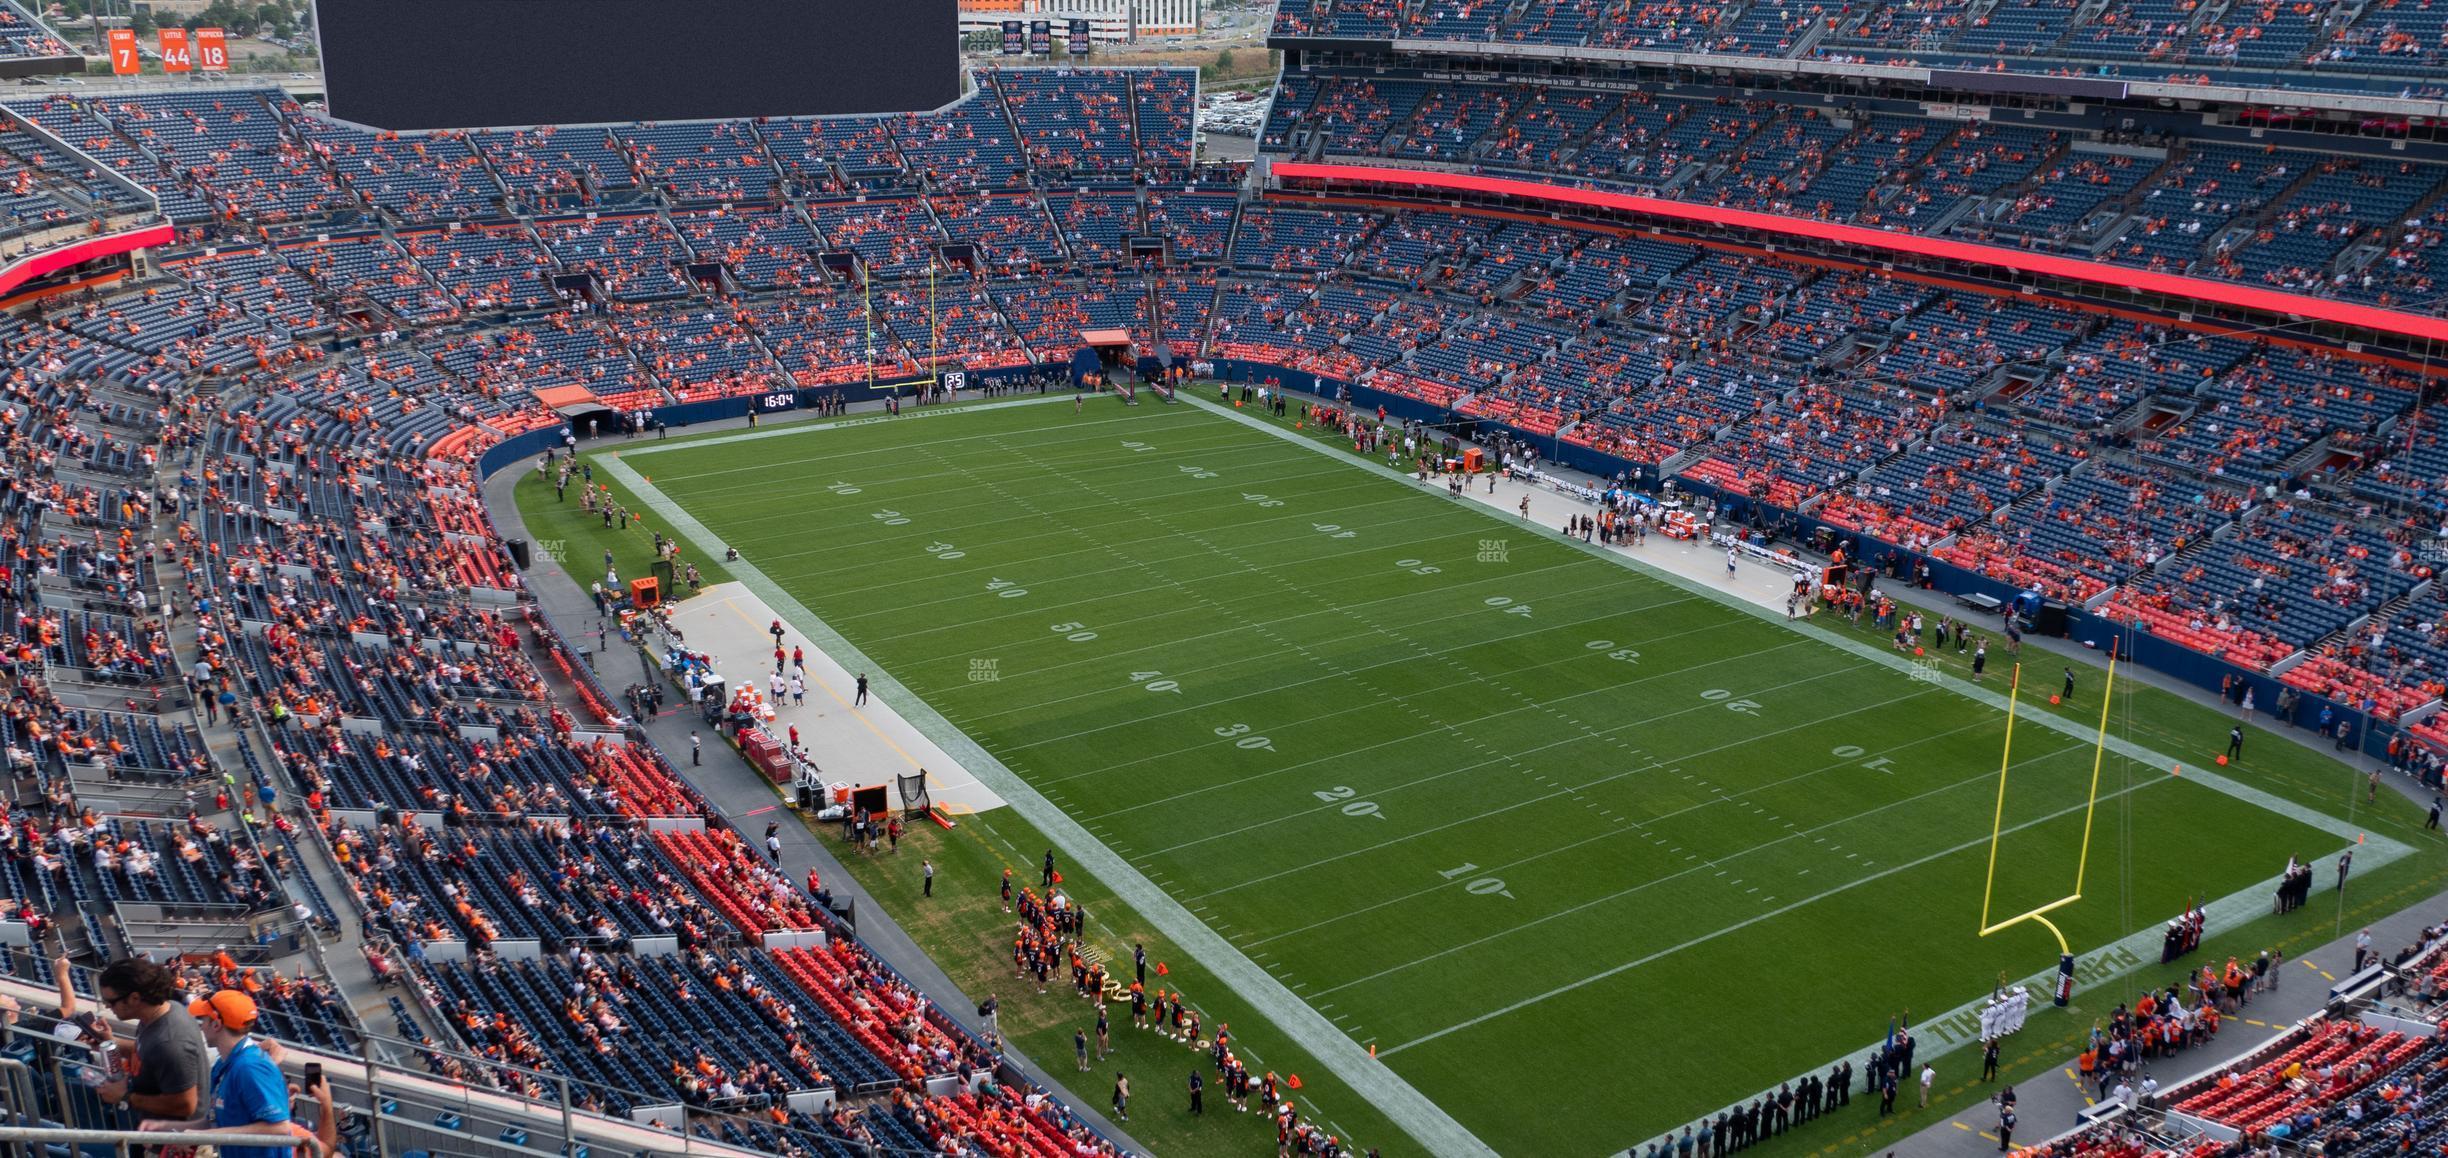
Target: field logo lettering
{"x":984,"y":671}
{"x":1925,"y":670}
{"x":556,"y":550}
{"x":1494,"y":551}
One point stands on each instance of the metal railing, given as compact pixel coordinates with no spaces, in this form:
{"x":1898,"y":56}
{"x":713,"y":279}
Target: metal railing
{"x":28,"y":1140}
{"x":405,"y":1105}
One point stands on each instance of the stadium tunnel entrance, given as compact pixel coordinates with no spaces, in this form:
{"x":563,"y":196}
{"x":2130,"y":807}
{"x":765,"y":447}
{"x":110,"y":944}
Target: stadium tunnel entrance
{"x":586,"y":414}
{"x":1101,"y":355}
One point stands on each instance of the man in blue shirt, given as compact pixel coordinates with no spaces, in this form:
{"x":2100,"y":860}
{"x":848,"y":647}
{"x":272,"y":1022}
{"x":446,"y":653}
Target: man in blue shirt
{"x":249,"y":1095}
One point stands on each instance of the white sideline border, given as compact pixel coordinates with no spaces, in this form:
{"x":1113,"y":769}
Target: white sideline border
{"x":1413,"y":1112}
{"x":1369,"y":1077}
{"x":1957,"y":1027}
{"x":1974,"y":692}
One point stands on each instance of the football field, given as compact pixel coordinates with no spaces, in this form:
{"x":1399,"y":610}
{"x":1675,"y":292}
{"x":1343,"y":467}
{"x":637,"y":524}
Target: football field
{"x":1530,"y":822}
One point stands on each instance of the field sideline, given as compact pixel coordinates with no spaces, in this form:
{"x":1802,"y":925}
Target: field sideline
{"x":1464,"y":790}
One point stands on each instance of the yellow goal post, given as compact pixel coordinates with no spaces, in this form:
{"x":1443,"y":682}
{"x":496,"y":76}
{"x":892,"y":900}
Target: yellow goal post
{"x":1997,"y":826}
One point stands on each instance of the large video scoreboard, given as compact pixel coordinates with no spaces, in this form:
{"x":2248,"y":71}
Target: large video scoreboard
{"x":431,"y":64}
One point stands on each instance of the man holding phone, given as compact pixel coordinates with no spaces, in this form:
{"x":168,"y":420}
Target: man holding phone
{"x":168,"y":1076}
{"x":326,"y":1133}
{"x":249,"y":1096}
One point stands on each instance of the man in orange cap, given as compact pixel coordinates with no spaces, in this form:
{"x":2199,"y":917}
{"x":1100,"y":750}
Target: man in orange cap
{"x":249,"y":1096}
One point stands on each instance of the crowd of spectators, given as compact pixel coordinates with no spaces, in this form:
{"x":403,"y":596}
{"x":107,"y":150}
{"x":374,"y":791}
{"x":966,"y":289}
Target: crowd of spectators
{"x":327,"y":524}
{"x":2307,"y":220}
{"x":2337,"y":47}
{"x":472,"y":814}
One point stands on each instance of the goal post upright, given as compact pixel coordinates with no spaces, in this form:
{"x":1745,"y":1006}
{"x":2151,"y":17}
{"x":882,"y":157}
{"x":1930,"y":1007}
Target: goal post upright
{"x":2099,"y":756}
{"x":2014,"y":689}
{"x":2082,"y":864}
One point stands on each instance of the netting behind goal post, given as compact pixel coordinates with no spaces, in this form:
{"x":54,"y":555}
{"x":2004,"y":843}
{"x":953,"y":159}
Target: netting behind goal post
{"x":914,"y":799}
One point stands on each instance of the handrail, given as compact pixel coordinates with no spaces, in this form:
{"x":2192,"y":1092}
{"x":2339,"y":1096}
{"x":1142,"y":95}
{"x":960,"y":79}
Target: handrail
{"x":34,"y":127}
{"x":380,"y":1080}
{"x":2075,"y":77}
{"x":122,"y":1138}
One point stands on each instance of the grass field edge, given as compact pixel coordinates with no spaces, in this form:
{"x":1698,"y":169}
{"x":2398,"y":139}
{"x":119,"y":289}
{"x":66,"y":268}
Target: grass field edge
{"x":1398,"y":1100}
{"x":786,"y":424}
{"x":2384,"y":848}
{"x":1945,"y":1033}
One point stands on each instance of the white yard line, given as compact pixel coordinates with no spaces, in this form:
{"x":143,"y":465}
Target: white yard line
{"x":2254,"y":898}
{"x":1423,"y":1119}
{"x":786,"y":429}
{"x":1312,"y":1029}
{"x":1515,"y":756}
{"x":1372,"y":705}
{"x":1639,"y":828}
{"x":1103,"y":459}
{"x":1975,"y":692}
{"x":882,"y":536}
{"x":1333,"y":676}
{"x":1959,"y":1026}
{"x":1075,"y":576}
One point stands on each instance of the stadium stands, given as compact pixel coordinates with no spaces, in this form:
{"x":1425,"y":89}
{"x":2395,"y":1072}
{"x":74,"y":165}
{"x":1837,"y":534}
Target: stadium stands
{"x":437,"y":177}
{"x":828,"y":158}
{"x":636,"y":259}
{"x":2374,"y":48}
{"x":489,"y":270}
{"x":235,"y":149}
{"x":378,"y":270}
{"x":762,"y":250}
{"x":1077,"y":126}
{"x":372,"y":312}
{"x":2305,"y":221}
{"x":702,"y":161}
{"x":21,"y":36}
{"x":970,"y":148}
{"x":892,"y":238}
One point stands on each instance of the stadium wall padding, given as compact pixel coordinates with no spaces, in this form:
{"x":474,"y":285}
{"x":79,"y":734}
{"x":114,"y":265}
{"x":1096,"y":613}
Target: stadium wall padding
{"x":440,"y":64}
{"x":2164,"y":656}
{"x":2167,"y":657}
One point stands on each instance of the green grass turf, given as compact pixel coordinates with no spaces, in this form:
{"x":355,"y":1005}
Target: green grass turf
{"x":563,"y":534}
{"x":1506,"y":855}
{"x":965,"y":930}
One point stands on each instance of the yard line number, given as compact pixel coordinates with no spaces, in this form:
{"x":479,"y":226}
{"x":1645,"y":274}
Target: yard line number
{"x":1355,"y":807}
{"x":1506,"y":602}
{"x":1618,"y":654}
{"x":1855,"y":752}
{"x":891,"y":518}
{"x":1005,"y":588}
{"x":1239,"y":735}
{"x":1075,"y":632}
{"x":843,"y":488}
{"x":1722,"y":696}
{"x":1482,"y":887}
{"x":946,"y":551}
{"x":1154,"y":681}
